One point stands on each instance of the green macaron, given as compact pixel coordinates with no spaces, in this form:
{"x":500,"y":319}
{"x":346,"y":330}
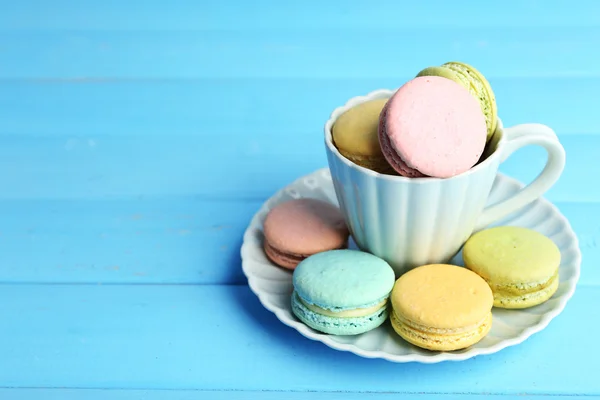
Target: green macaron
{"x":475,"y":82}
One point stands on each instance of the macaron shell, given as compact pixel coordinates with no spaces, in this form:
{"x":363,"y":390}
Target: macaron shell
{"x":442,"y":342}
{"x":305,"y":226}
{"x":435,"y":126}
{"x":355,"y":136}
{"x":482,"y":90}
{"x":343,"y":279}
{"x":392,"y":157}
{"x":442,"y":296}
{"x":337,"y":326}
{"x":511,"y":255}
{"x":355,"y":131}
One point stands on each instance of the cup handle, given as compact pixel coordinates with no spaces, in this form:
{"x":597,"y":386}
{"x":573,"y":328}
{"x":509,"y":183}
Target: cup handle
{"x":520,"y":136}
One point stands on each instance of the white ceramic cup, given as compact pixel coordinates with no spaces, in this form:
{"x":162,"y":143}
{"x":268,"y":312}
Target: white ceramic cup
{"x":415,"y":221}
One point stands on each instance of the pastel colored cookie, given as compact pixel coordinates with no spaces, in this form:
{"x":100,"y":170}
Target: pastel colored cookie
{"x":355,"y":136}
{"x":342,"y":292}
{"x":299,"y":228}
{"x":433,"y":127}
{"x":441,"y":307}
{"x":476,"y":83}
{"x":519,"y":264}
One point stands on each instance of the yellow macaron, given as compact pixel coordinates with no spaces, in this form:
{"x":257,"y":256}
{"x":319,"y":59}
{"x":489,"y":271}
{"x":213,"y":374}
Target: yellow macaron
{"x":441,"y":307}
{"x":519,"y":264}
{"x":355,"y":136}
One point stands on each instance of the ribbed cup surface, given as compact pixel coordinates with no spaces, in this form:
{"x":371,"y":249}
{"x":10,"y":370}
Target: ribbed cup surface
{"x":410,"y":222}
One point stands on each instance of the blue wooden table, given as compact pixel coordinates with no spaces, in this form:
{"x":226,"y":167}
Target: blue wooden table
{"x":138,"y":138}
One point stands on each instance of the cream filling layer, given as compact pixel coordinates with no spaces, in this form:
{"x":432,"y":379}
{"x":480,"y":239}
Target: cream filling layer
{"x":354,"y":313}
{"x":518,"y":289}
{"x":439,"y":331}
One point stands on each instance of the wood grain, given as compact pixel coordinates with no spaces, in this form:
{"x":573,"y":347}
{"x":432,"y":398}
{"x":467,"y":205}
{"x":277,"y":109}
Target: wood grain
{"x":221,"y":338}
{"x":138,"y":138}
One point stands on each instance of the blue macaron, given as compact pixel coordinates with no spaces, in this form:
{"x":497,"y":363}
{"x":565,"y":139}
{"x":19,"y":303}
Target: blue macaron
{"x":342,"y":292}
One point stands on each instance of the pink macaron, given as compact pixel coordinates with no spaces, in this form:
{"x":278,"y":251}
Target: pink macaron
{"x":300,"y":228}
{"x":432,"y":127}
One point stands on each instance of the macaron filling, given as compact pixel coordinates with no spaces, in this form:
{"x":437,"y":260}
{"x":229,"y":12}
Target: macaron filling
{"x":525,"y":299}
{"x":337,"y":325}
{"x":519,"y":289}
{"x":344,"y":313}
{"x":291,"y":258}
{"x":440,"y":341}
{"x":272,"y":252}
{"x":440,"y":331}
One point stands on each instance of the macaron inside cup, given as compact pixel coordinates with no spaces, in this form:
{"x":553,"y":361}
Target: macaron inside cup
{"x":441,"y":307}
{"x":475,"y":83}
{"x":342,"y":292}
{"x":432,"y":127}
{"x":519,"y":264}
{"x":296,"y":229}
{"x":354,"y":133}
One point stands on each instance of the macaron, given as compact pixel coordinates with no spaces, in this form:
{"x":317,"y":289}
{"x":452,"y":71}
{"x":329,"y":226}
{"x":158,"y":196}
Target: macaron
{"x":296,"y":229}
{"x":476,"y":83}
{"x":354,"y":134}
{"x":342,"y":292}
{"x":519,"y":264}
{"x":441,"y":307}
{"x":433,"y":127}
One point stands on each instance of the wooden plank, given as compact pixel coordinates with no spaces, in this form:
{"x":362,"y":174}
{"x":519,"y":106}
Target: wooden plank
{"x":220,"y":338}
{"x":316,"y":53}
{"x":254,"y":107}
{"x":123,"y":394}
{"x":104,"y":167}
{"x":187,"y":14}
{"x":151,"y":241}
{"x":146,"y":241}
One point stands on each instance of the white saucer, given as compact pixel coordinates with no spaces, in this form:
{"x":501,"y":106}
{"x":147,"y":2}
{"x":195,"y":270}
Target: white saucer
{"x":273,"y":285}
